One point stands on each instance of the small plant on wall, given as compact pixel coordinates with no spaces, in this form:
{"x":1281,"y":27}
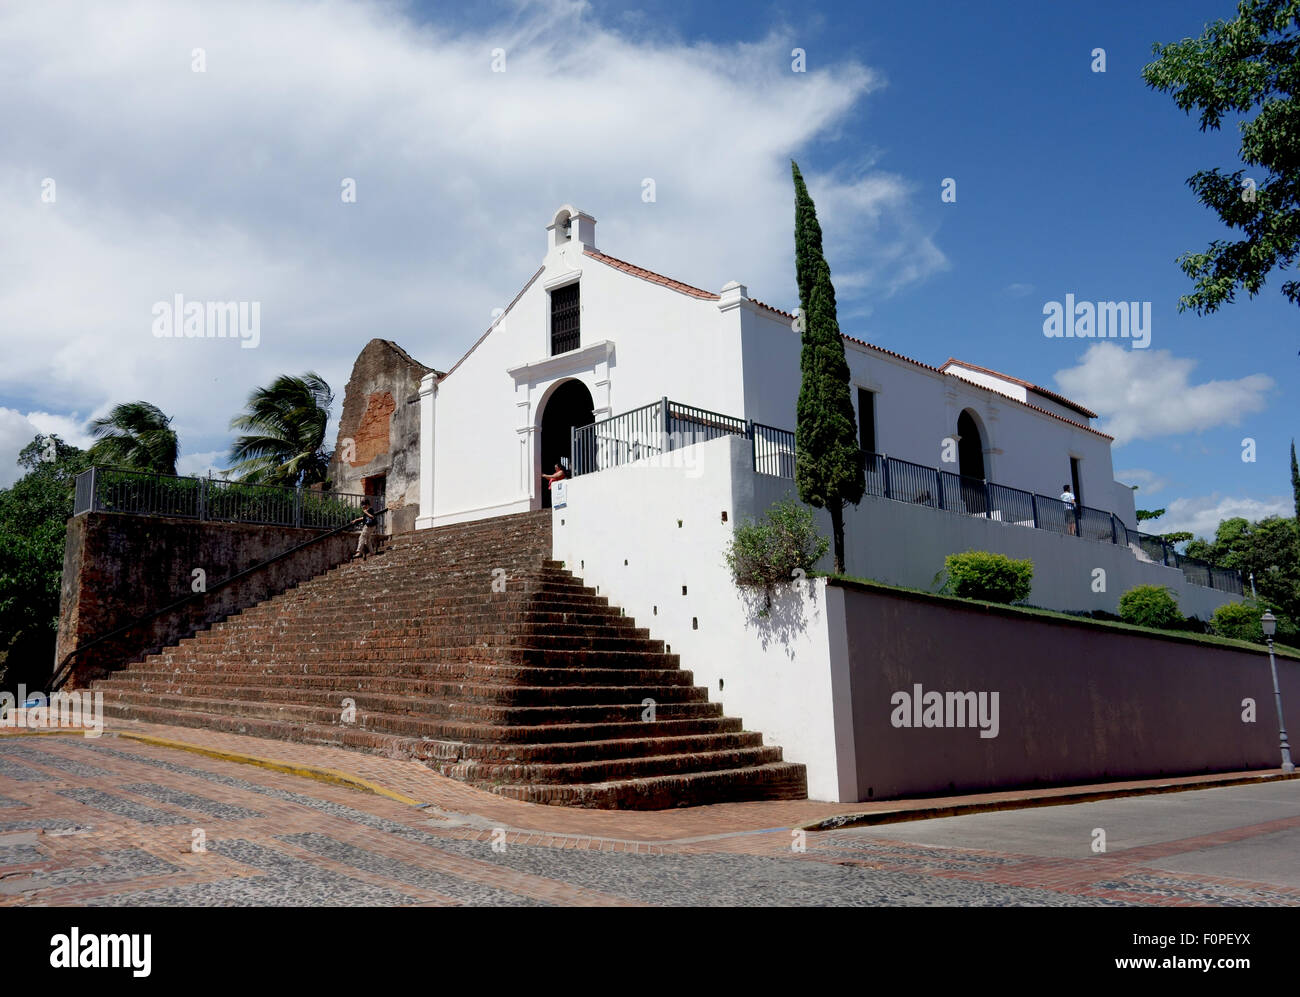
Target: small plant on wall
{"x":777,"y":548}
{"x":980,"y":574}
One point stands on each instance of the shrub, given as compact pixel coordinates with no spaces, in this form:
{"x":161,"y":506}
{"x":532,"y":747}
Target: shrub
{"x":980,"y":574}
{"x":1239,"y":620}
{"x":769,"y":552}
{"x":1150,"y":606}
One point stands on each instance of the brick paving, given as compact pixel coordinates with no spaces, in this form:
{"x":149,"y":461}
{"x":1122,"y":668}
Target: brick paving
{"x":114,"y":822}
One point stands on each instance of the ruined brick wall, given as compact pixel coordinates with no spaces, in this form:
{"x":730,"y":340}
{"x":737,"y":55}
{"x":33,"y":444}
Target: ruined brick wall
{"x":379,"y":430}
{"x":118,"y":567}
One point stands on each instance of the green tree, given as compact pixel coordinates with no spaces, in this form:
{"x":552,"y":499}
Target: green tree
{"x":136,"y":435}
{"x":829,"y":464}
{"x":285,"y":432}
{"x":1239,"y":620}
{"x":1269,"y":549}
{"x":1252,"y":61}
{"x":1144,"y":514}
{"x":33,"y":526}
{"x":1150,"y":606}
{"x":1295,"y":484}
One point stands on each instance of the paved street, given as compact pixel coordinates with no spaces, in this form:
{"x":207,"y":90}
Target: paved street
{"x":118,"y":822}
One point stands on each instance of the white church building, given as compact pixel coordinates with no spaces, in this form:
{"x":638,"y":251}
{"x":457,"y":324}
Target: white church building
{"x":673,"y":409}
{"x":614,"y":371}
{"x":590,"y":336}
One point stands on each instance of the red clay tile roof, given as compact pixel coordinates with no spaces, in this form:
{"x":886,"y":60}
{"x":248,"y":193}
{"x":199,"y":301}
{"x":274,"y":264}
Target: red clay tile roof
{"x":1082,"y":410}
{"x":650,"y":275}
{"x":771,"y":309}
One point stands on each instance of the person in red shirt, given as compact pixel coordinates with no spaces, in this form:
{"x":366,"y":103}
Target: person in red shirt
{"x":559,"y":475}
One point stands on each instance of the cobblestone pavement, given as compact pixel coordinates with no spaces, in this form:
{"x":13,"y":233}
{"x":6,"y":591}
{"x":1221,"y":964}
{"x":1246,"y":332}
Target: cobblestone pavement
{"x":118,"y":822}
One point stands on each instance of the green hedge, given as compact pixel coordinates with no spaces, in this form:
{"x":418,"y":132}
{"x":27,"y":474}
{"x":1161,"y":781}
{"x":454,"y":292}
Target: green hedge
{"x":989,"y":577}
{"x":1238,"y":620}
{"x":1151,"y":606}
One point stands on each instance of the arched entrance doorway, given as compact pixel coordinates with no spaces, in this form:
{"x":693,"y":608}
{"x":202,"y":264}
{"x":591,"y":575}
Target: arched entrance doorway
{"x":970,"y":464}
{"x":569,"y":405}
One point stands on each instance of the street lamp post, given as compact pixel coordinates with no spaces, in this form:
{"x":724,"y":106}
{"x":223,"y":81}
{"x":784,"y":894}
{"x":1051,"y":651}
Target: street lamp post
{"x":1269,"y":623}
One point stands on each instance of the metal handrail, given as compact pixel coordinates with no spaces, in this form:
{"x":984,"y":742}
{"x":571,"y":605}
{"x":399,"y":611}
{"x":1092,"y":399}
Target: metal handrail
{"x":889,"y":477}
{"x":207,"y":500}
{"x":60,"y":673}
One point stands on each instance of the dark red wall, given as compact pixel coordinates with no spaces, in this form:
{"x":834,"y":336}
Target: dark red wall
{"x":119,"y":567}
{"x":1077,"y":702}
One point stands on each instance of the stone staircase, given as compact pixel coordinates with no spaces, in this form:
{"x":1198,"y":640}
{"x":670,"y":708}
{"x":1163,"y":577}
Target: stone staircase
{"x":467,"y":648}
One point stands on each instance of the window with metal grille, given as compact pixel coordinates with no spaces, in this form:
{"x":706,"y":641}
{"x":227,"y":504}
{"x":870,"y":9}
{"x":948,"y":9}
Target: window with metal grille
{"x":564,"y":319}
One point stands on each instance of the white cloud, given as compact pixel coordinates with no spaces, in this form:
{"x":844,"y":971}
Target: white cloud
{"x":1202,"y":515}
{"x":1150,"y":482}
{"x":1142,"y":394}
{"x":225,"y":185}
{"x":1018,"y":290}
{"x":199,"y":464}
{"x":17,"y":429}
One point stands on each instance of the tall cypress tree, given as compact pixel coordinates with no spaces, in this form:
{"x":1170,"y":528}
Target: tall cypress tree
{"x":1295,"y":483}
{"x":829,"y":464}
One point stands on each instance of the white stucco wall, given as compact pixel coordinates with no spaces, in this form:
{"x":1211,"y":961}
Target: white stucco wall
{"x":774,"y":673}
{"x":640,"y":342}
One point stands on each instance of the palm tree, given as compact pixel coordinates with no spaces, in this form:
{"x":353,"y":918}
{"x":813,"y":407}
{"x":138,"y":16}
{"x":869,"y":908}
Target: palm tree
{"x":136,"y":435}
{"x":285,"y":427}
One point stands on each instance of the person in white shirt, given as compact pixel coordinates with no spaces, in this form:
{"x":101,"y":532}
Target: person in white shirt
{"x":1071,"y":510}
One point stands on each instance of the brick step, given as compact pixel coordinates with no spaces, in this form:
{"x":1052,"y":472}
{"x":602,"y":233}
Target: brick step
{"x":503,"y":613}
{"x":441,"y":583}
{"x":449,"y":671}
{"x":326,"y":705}
{"x":376,"y":742}
{"x":606,"y":626}
{"x":464,"y":671}
{"x":489,"y":774}
{"x":513,"y":753}
{"x":503,"y":553}
{"x":319,"y":689}
{"x":128,"y":705}
{"x":449,"y":606}
{"x":773,"y":781}
{"x":309,"y":655}
{"x":431,"y":639}
{"x":420,"y":599}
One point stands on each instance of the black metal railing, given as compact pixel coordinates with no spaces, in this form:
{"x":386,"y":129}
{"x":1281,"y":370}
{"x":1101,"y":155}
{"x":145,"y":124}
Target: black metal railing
{"x":665,"y":425}
{"x":141,"y":493}
{"x":648,"y":431}
{"x":618,"y":440}
{"x":903,"y":481}
{"x":773,"y":450}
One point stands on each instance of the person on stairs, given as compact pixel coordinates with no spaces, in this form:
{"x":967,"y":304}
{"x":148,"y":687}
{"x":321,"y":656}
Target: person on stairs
{"x":369,"y":524}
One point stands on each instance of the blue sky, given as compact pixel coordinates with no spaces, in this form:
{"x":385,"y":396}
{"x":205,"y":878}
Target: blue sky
{"x":224,"y":185}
